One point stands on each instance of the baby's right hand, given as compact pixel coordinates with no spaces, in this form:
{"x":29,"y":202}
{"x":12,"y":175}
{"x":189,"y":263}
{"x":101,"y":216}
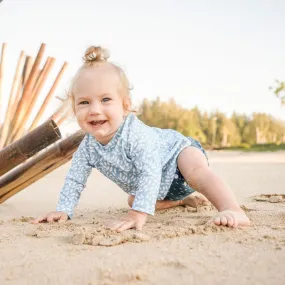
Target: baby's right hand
{"x":52,"y":217}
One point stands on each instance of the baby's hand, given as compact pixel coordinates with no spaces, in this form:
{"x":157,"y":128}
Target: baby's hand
{"x":134,"y":219}
{"x":230,"y":218}
{"x":52,"y":217}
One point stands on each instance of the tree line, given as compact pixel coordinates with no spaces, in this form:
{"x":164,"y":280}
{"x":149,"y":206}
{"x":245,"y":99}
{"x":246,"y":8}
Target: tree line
{"x":214,"y":129}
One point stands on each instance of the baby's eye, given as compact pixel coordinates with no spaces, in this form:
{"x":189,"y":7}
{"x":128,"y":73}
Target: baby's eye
{"x":106,"y":99}
{"x":83,"y":103}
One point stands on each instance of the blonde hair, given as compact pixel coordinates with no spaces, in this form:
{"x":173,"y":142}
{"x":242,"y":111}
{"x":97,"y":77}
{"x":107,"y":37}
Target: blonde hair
{"x":95,"y":56}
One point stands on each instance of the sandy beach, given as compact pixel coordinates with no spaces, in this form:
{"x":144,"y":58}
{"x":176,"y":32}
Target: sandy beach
{"x":175,"y":247}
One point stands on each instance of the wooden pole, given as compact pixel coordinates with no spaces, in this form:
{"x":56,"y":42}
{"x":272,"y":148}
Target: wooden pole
{"x":16,"y":83}
{"x":27,"y":69}
{"x":24,"y":102}
{"x":48,"y":97}
{"x":26,"y":72}
{"x":25,"y":75}
{"x":38,"y":139}
{"x":2,"y":64}
{"x":39,"y":166}
{"x":34,"y":96}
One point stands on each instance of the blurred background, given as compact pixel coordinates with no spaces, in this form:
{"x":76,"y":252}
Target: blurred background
{"x":205,"y":68}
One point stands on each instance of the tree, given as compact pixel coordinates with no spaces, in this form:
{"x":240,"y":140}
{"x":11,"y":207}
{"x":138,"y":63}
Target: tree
{"x":215,"y":129}
{"x":279,"y":91}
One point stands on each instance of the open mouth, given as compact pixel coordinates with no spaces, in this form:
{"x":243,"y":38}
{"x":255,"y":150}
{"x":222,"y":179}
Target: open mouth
{"x":98,"y":123}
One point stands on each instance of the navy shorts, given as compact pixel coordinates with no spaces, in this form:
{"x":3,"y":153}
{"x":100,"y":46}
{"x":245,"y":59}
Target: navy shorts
{"x":179,"y":188}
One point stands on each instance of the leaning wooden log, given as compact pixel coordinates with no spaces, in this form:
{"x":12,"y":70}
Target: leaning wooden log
{"x":29,"y":145}
{"x":39,"y":166}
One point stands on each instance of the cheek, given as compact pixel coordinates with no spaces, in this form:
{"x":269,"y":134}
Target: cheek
{"x":80,"y":113}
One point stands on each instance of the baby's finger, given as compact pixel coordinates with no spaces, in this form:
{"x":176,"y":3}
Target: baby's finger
{"x":115,"y":225}
{"x":39,"y":219}
{"x":51,"y":218}
{"x":125,"y":226}
{"x":139,"y":226}
{"x":63,"y":218}
{"x":217,"y":220}
{"x":224,"y":220}
{"x":230,"y":220}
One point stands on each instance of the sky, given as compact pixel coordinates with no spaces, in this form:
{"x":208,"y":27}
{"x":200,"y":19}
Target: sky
{"x":212,"y":54}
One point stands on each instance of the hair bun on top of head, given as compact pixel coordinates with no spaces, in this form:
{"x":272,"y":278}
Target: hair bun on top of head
{"x":96,"y":53}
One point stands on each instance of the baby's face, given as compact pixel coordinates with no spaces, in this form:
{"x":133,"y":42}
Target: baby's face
{"x":98,"y":105}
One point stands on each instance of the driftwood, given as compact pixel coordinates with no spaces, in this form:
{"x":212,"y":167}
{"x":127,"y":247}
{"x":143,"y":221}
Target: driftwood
{"x":38,"y":166}
{"x":19,"y":152}
{"x":33,"y":142}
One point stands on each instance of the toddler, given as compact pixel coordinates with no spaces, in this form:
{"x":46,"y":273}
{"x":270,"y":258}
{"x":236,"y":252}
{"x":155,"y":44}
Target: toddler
{"x":158,"y":168}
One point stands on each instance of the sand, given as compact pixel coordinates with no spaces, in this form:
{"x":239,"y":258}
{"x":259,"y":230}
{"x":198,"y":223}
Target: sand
{"x":175,"y":247}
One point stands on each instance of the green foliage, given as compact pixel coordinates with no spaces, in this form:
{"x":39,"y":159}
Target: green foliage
{"x":258,"y":147}
{"x":279,"y":91}
{"x":214,"y":130}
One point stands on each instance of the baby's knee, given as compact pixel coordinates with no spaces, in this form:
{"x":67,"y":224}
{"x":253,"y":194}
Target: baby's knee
{"x":131,"y":200}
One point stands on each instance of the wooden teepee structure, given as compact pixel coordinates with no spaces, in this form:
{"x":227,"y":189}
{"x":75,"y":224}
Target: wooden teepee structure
{"x":20,"y":141}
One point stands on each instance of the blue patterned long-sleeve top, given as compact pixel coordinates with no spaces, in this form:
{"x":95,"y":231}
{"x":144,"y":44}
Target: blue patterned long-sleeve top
{"x":141,"y":160}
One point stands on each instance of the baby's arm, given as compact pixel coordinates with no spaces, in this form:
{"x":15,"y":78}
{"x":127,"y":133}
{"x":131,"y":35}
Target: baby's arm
{"x":74,"y":184}
{"x":194,"y":167}
{"x":75,"y":181}
{"x":146,"y":160}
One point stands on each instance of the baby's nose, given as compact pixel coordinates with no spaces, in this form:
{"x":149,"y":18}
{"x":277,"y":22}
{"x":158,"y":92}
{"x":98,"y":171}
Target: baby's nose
{"x":94,"y":109}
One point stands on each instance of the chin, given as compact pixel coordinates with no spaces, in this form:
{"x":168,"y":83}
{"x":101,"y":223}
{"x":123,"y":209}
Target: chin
{"x":98,"y":135}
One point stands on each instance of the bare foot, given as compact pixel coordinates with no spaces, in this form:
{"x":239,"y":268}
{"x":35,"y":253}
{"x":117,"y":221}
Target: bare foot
{"x":195,"y":199}
{"x":230,"y":218}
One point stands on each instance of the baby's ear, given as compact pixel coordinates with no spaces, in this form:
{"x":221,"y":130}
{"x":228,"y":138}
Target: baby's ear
{"x":126,"y":105}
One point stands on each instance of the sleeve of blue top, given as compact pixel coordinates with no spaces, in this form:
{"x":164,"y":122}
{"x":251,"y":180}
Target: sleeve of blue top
{"x":146,"y":159}
{"x":75,"y":181}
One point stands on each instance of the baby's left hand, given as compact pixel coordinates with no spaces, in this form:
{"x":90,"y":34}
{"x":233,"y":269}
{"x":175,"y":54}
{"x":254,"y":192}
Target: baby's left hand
{"x":230,"y":218}
{"x":134,"y":219}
